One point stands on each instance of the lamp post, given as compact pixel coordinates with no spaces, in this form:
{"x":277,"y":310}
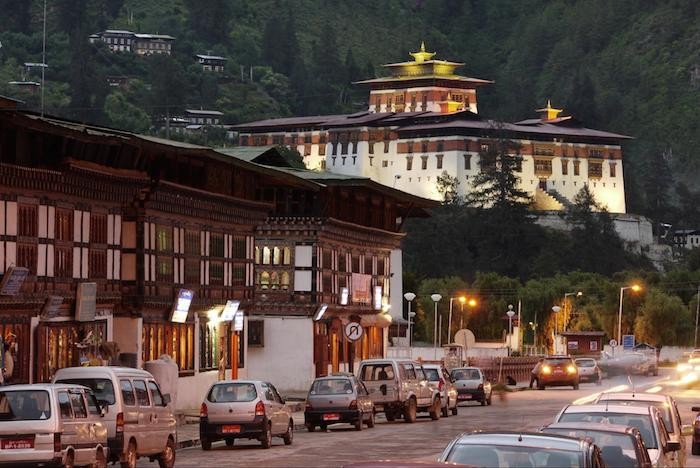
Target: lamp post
{"x":510,"y":315}
{"x":409,"y":296}
{"x":462,"y":300}
{"x":566,"y":315}
{"x":635,"y":288}
{"x":556,"y":310}
{"x":697,"y":315}
{"x":436,"y":298}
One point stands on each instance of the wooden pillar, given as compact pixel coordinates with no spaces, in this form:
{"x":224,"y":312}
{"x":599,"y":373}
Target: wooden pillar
{"x":234,"y":355}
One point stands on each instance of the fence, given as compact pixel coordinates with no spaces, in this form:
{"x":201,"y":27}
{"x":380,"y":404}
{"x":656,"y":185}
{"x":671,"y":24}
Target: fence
{"x":498,"y":369}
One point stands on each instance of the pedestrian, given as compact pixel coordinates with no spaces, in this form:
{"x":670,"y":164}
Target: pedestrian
{"x":535,"y":372}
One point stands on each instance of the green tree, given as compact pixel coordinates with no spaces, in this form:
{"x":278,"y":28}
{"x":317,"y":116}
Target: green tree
{"x":124,"y":115}
{"x":209,"y":20}
{"x":663,"y":320}
{"x":448,"y":188}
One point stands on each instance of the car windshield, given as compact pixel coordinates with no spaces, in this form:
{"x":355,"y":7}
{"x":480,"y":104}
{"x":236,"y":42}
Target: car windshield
{"x":558,"y":361}
{"x":24,"y":405}
{"x":585,"y":362}
{"x":102,"y":388}
{"x":377,"y":372}
{"x":232,"y":392}
{"x":662,"y":405}
{"x":640,"y":421}
{"x":331,"y":387}
{"x":617,"y":449}
{"x":510,"y":456}
{"x":431,"y":374}
{"x":465,"y":374}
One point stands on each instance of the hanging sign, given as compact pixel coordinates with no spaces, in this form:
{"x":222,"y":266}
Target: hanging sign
{"x":238,"y":321}
{"x":181,"y":307}
{"x":230,"y":310}
{"x":86,"y":302}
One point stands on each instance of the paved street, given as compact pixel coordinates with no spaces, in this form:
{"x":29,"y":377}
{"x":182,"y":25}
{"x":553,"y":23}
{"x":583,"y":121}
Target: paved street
{"x":424,"y":440}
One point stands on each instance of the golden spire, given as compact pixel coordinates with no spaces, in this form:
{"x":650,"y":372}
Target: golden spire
{"x":551,"y":112}
{"x":422,"y":56}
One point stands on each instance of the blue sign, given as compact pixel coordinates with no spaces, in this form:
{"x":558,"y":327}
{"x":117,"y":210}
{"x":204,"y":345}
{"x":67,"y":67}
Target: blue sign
{"x":627,"y":341}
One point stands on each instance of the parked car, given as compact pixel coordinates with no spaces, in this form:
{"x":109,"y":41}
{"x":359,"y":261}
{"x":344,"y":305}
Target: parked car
{"x":53,"y":425}
{"x":399,"y":387}
{"x":472,"y":385}
{"x":695,"y":446}
{"x":620,"y":446}
{"x":588,"y":370}
{"x":669,"y":412}
{"x":555,"y":371}
{"x":625,"y":363}
{"x":439,"y":378}
{"x":244,"y":409}
{"x":490,"y":449}
{"x":338,"y":398}
{"x":140,"y":421}
{"x":647,"y":419}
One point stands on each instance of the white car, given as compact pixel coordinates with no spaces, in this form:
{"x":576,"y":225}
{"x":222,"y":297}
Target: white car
{"x":588,"y":370}
{"x":647,"y":419}
{"x":669,"y":412}
{"x":440,"y":379}
{"x":47,"y":424}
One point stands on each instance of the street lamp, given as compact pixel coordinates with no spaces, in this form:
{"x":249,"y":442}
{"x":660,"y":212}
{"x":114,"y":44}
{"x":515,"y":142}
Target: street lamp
{"x":436,"y":298}
{"x":566,"y":315}
{"x":556,"y":310}
{"x":510,"y":315}
{"x":462,"y":300}
{"x":409,"y":296}
{"x":635,"y":288}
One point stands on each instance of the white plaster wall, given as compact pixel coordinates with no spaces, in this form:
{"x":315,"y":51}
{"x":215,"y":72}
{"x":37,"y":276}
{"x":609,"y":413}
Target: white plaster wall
{"x":287,"y":359}
{"x":631,"y":228}
{"x":127,"y":332}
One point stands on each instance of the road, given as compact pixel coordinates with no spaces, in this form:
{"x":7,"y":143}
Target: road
{"x":424,"y":440}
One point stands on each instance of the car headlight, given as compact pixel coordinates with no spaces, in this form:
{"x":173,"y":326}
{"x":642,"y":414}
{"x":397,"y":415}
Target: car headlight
{"x":546,"y":370}
{"x":684,"y":367}
{"x":571,"y":369}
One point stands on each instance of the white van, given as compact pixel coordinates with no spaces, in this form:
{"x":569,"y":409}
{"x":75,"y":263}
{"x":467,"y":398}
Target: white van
{"x":140,"y":421}
{"x":46,"y":424}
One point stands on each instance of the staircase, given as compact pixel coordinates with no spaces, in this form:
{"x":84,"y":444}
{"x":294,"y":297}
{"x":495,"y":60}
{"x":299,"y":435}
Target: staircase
{"x":543,"y":201}
{"x":560,"y":198}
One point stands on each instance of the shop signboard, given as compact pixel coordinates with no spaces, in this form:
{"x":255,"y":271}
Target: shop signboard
{"x":12,"y":280}
{"x":181,"y":308}
{"x":230,"y":310}
{"x":86,"y":302}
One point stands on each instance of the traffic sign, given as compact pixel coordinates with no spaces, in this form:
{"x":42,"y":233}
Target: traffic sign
{"x":613,"y":342}
{"x":353,"y":331}
{"x":627,"y":341}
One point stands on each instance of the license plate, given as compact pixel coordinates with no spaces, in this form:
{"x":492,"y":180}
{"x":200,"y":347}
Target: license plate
{"x":331,"y":417}
{"x":231,"y":429}
{"x":464,"y":397}
{"x":14,"y":444}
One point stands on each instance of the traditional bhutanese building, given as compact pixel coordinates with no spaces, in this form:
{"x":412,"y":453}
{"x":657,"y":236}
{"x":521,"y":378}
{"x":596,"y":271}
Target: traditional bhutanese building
{"x":422,"y":121}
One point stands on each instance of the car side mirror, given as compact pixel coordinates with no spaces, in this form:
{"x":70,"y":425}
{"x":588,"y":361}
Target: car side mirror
{"x":695,"y":408}
{"x":166,"y":399}
{"x":673,"y":446}
{"x":687,"y":429}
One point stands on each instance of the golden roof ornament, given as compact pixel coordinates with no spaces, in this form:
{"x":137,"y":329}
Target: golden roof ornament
{"x":550,"y":111}
{"x":422,"y":55}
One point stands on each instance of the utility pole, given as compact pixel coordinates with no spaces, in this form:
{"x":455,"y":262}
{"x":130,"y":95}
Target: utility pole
{"x":697,"y":313}
{"x":43,"y":62}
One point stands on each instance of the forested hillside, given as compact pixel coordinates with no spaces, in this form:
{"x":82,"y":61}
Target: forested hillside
{"x":628,"y":66}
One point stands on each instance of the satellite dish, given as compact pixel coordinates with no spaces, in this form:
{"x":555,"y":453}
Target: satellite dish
{"x":465,"y":338}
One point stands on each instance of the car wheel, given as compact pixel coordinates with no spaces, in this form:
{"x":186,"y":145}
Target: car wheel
{"x":100,"y":460}
{"x":454,"y":410}
{"x":540,"y":386}
{"x":436,"y":410}
{"x":390,"y":416}
{"x":166,"y":459}
{"x":310,"y":427}
{"x":409,"y":414}
{"x":266,"y":438}
{"x":488,"y":400}
{"x":576,"y":386}
{"x":230,"y":441}
{"x":323,"y":427}
{"x":131,"y":456}
{"x":206,"y":444}
{"x":695,"y":449}
{"x":288,"y":436}
{"x":358,"y":423}
{"x":70,"y":460}
{"x":483,"y":401}
{"x":370,"y":421}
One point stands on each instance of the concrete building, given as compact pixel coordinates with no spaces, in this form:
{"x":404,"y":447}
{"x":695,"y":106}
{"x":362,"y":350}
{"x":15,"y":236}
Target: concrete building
{"x":422,"y":122}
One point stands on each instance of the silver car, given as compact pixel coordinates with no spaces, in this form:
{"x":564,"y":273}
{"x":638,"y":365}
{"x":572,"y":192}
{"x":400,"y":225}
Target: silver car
{"x":472,"y":385}
{"x":244,"y":409}
{"x":51,"y":424}
{"x":440,"y":379}
{"x":338,"y":398}
{"x":647,"y":419}
{"x":588,"y":370}
{"x":490,"y":449}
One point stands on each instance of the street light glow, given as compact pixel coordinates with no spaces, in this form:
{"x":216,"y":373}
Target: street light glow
{"x":462,"y":299}
{"x":636,"y":288}
{"x":472,"y":302}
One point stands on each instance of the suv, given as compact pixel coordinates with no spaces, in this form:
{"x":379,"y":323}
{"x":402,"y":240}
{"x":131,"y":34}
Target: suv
{"x":45,"y":424}
{"x":556,"y":371}
{"x":439,"y":378}
{"x":399,"y":387}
